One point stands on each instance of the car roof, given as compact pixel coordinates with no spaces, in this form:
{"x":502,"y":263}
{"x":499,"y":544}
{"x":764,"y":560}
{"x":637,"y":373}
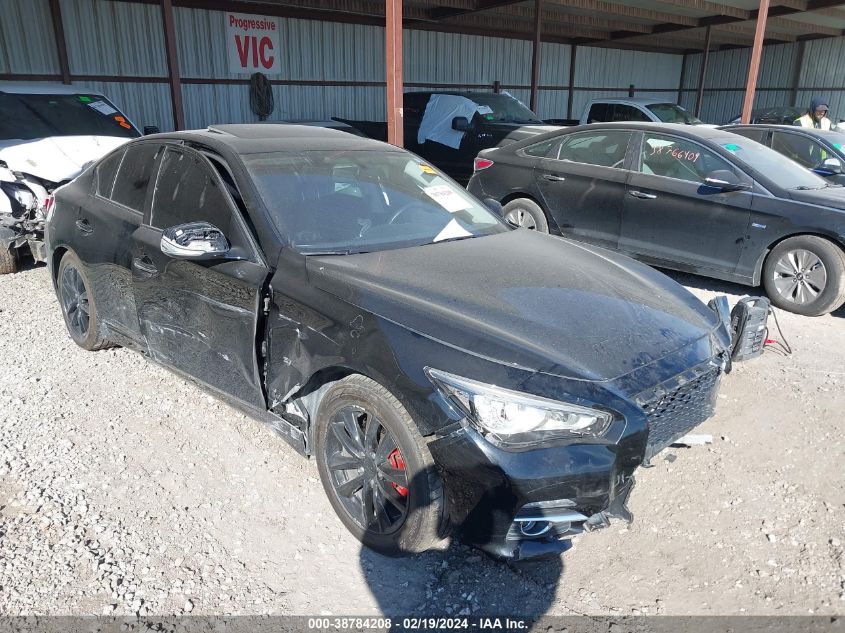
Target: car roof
{"x":315,"y":122}
{"x":256,"y":138}
{"x":43,"y":88}
{"x":787,"y":128}
{"x":700,"y":131}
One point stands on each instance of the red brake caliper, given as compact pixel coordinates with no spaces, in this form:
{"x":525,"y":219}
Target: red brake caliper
{"x":395,"y":459}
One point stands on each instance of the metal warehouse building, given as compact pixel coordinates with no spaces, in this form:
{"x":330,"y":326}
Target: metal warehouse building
{"x":170,"y":62}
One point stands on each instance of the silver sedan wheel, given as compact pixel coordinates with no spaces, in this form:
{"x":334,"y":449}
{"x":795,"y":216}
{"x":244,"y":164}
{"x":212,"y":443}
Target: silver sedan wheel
{"x":521,"y":218}
{"x":800,"y":276}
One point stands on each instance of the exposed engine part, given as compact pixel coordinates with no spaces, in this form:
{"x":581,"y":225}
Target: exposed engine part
{"x":23,"y":210}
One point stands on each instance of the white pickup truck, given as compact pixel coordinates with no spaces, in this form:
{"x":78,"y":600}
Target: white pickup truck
{"x":636,"y":109}
{"x":631,"y":109}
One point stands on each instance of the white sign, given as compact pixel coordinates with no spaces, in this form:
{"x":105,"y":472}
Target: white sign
{"x":252,"y":43}
{"x":102,"y":107}
{"x":447,"y":198}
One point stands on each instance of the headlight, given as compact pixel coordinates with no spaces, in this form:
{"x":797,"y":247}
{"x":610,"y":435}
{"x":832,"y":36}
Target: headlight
{"x":513,"y":419}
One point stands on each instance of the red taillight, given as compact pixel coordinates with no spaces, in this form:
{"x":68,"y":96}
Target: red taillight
{"x":482,"y":163}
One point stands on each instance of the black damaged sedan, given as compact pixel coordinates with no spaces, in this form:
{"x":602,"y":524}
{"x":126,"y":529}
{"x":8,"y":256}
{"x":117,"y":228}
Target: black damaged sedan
{"x":448,"y":374}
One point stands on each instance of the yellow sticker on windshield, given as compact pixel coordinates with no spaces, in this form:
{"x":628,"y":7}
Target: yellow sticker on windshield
{"x":427,"y":169}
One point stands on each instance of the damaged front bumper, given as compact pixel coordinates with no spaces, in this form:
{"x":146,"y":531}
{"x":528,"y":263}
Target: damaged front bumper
{"x":523,"y":504}
{"x":23,"y":211}
{"x":526,"y":505}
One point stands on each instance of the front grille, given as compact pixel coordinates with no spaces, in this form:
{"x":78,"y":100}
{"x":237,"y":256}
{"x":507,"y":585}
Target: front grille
{"x":676,"y":413}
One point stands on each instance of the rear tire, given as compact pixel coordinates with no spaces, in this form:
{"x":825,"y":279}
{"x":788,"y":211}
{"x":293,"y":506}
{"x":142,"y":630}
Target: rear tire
{"x":79,"y":307}
{"x":525,"y":213}
{"x":380,"y":479}
{"x":8,"y":260}
{"x":806,"y":275}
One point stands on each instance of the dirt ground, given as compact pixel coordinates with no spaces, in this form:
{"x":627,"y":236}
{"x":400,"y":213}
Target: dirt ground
{"x":124,"y":490}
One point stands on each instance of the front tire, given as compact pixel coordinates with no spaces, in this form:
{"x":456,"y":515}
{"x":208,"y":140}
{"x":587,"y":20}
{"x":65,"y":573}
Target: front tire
{"x":527,"y":214}
{"x":806,"y":275}
{"x":79,"y":307}
{"x":8,"y":260}
{"x":376,"y":468}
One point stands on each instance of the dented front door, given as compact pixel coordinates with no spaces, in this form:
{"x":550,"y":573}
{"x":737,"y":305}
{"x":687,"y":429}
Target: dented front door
{"x":199,"y":317}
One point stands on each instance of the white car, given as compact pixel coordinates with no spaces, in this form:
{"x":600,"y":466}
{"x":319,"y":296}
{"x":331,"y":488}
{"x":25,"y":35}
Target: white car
{"x":49,"y":133}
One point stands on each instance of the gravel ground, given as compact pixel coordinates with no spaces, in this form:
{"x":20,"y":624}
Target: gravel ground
{"x":126,"y":490}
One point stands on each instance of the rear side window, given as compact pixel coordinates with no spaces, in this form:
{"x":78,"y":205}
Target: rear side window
{"x":803,"y":150}
{"x":599,"y":113}
{"x":130,"y":187}
{"x":754,"y":135}
{"x":606,"y":148}
{"x":105,"y":173}
{"x":541,"y":150}
{"x":623,"y":112}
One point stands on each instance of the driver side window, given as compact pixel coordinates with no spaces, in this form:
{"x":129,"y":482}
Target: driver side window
{"x":675,"y":157}
{"x":187,"y":191}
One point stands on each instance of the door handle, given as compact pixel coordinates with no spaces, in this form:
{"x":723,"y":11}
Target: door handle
{"x":84,"y":226}
{"x":642,"y":196}
{"x":144,"y":265}
{"x":554,"y":178}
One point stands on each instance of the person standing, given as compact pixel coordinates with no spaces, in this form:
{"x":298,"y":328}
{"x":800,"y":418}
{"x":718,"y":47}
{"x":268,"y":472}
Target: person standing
{"x":816,"y":116}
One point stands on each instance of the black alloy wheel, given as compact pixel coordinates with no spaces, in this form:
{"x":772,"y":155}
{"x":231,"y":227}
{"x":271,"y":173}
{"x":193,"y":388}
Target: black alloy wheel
{"x":367,"y":470}
{"x":74,"y":296}
{"x":78,"y":305}
{"x":376,"y":468}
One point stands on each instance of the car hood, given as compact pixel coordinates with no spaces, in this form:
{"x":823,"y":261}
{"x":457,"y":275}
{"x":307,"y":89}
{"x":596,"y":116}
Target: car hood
{"x":56,"y":158}
{"x":828,"y":197}
{"x":527,"y":300}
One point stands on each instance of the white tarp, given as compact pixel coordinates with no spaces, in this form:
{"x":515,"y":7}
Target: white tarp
{"x":436,"y":123}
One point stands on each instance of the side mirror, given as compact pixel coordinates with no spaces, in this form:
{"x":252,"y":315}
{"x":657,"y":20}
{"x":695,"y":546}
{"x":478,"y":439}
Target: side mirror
{"x":725,"y":180}
{"x":495,"y":206}
{"x":460,"y":124}
{"x":196,"y":240}
{"x":832,"y":165}
{"x":151,"y":129}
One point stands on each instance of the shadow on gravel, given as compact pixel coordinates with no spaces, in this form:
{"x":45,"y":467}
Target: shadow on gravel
{"x":26,"y":264}
{"x":459,"y":581}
